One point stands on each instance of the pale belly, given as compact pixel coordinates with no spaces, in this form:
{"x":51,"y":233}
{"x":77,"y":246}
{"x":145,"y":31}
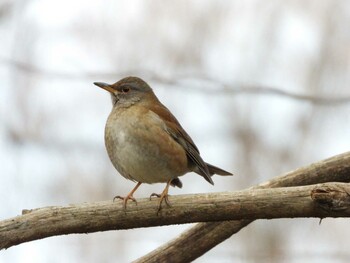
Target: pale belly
{"x":142,"y":151}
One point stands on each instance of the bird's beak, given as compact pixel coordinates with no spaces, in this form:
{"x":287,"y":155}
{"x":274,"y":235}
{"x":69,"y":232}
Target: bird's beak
{"x":105,"y":86}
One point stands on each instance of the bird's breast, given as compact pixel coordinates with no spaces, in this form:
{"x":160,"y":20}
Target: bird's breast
{"x":140,"y":148}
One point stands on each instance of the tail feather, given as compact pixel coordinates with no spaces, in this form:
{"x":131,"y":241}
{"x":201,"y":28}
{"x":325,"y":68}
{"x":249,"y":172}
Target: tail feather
{"x":216,"y":170}
{"x":212,"y":170}
{"x":176,"y":182}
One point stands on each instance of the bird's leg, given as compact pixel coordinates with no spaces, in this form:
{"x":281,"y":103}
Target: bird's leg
{"x":129,"y":196}
{"x":163,"y":196}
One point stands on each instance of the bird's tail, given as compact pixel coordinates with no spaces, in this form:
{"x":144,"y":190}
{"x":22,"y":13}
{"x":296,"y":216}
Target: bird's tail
{"x":210,"y":171}
{"x":216,"y":170}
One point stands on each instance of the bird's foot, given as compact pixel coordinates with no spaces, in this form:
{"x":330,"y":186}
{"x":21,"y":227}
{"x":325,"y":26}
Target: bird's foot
{"x":163,"y":197}
{"x":125,"y":199}
{"x":129,"y":196}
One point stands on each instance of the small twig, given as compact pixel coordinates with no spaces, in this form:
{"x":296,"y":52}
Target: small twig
{"x":206,"y":86}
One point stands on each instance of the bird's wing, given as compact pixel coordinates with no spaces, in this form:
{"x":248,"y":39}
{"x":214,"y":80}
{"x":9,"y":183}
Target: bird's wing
{"x":175,"y":130}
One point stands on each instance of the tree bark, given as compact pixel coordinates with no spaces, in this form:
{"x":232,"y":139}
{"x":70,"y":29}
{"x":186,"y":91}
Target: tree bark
{"x":208,"y":235}
{"x":324,"y":200}
{"x":257,"y":202}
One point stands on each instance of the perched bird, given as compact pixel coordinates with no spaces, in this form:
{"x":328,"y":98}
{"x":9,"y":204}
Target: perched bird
{"x":146,"y":143}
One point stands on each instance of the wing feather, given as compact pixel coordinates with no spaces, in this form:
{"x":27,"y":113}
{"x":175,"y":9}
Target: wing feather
{"x":175,"y":130}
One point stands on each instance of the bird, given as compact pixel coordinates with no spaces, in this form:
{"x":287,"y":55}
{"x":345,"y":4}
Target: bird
{"x":146,"y":143}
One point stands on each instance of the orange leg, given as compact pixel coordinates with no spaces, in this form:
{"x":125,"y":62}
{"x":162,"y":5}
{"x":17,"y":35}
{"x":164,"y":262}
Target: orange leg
{"x":129,"y":196}
{"x":163,"y":196}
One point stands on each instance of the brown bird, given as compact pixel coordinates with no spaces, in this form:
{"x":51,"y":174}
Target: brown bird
{"x":146,"y":143}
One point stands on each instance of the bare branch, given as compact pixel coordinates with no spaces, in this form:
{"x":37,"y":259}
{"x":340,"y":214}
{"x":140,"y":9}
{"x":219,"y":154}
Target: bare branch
{"x":206,"y":83}
{"x":208,"y":235}
{"x":249,"y":204}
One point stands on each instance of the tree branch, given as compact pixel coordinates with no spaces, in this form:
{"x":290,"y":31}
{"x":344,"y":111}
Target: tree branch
{"x":226,"y":88}
{"x":208,"y":235}
{"x":332,"y":200}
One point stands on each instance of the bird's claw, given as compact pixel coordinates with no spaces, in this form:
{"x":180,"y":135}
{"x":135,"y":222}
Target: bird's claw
{"x":154,"y":194}
{"x":162,"y":198}
{"x":125,"y":199}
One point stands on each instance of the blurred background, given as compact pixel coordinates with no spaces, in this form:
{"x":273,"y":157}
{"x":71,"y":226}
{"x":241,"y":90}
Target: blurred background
{"x":262,"y":87}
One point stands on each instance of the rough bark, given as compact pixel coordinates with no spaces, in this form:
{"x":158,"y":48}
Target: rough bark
{"x":325,"y":200}
{"x":208,"y":235}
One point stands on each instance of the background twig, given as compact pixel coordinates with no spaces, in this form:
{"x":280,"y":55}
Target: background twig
{"x":205,"y":84}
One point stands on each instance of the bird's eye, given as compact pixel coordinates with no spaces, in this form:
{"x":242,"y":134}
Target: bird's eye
{"x":125,"y":89}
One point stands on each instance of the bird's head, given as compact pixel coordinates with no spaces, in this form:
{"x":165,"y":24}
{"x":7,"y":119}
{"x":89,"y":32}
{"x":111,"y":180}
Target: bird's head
{"x":127,"y":91}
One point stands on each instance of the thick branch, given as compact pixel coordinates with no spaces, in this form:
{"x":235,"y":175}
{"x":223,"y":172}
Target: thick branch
{"x":248,"y":204}
{"x":208,"y":235}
